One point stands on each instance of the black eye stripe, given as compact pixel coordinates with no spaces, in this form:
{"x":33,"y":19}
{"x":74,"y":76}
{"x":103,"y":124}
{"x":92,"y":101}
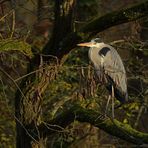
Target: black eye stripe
{"x":104,"y":51}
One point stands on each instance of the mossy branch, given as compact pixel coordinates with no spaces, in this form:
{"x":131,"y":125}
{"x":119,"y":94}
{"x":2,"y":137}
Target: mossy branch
{"x":117,"y":17}
{"x":113,"y":127}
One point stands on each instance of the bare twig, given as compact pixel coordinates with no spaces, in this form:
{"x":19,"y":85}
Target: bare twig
{"x":13,"y":24}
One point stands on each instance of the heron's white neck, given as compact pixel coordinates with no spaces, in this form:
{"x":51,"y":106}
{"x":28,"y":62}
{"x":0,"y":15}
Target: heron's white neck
{"x":93,"y":53}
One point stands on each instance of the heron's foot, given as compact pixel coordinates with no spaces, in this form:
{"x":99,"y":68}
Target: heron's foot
{"x":109,"y":112}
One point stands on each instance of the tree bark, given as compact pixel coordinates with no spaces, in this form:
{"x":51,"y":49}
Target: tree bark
{"x":63,"y":25}
{"x":28,"y":99}
{"x":28,"y":102}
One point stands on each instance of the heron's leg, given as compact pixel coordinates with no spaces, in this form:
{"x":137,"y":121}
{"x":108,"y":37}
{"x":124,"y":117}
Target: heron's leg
{"x":106,"y":108}
{"x":113,"y":102}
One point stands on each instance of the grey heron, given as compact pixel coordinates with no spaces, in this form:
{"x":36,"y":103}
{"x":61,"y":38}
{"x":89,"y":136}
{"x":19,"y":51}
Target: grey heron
{"x":109,"y":68}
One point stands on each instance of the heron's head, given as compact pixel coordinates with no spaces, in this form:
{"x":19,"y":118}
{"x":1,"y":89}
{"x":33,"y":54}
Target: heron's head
{"x":93,"y":43}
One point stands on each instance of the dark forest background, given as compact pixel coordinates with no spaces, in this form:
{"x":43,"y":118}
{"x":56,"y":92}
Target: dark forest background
{"x":49,"y":95}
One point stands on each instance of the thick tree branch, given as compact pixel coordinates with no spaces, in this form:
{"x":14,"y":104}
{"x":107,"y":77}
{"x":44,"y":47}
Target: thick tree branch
{"x":117,"y":17}
{"x":115,"y":128}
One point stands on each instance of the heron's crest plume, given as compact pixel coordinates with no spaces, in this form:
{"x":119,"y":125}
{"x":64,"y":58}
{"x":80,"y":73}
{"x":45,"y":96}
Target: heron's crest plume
{"x":96,"y":40}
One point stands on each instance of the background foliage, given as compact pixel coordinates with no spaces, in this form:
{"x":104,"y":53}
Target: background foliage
{"x":75,"y":79}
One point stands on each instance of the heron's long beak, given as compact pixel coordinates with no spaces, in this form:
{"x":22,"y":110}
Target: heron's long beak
{"x":88,"y":44}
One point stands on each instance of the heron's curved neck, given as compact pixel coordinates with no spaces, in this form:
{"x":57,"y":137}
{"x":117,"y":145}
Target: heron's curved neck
{"x":98,"y":45}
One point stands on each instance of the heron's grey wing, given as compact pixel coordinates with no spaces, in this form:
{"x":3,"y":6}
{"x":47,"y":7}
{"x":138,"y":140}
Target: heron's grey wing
{"x":114,"y":68}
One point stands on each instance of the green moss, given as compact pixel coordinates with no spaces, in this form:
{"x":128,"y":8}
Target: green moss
{"x":16,"y":45}
{"x":113,"y":127}
{"x":131,"y":130}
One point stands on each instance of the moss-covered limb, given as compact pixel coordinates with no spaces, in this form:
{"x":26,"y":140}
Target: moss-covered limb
{"x":115,"y":127}
{"x":117,"y":17}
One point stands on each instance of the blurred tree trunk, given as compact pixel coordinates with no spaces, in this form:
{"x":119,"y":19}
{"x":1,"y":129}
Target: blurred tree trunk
{"x":28,"y":98}
{"x":43,"y":8}
{"x":64,"y":25}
